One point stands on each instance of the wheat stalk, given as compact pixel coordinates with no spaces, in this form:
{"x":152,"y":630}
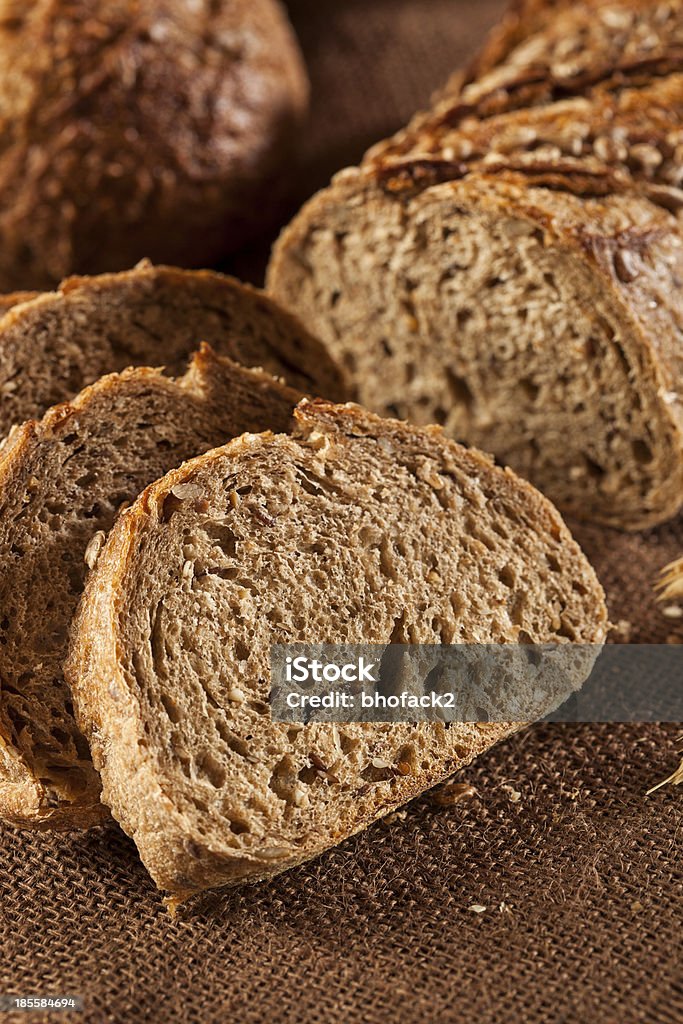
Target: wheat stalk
{"x":670,"y":587}
{"x":670,"y":583}
{"x":674,"y":780}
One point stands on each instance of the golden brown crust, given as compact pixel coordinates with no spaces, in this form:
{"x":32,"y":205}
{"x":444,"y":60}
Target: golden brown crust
{"x":609,"y":142}
{"x":559,"y":50}
{"x":15,"y":299}
{"x":556,"y":52}
{"x":524,"y":18}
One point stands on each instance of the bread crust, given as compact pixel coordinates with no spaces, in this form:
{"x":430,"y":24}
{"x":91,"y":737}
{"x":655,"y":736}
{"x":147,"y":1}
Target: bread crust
{"x":525,"y":18}
{"x":15,"y":299}
{"x":611,"y":142}
{"x":107,"y":698}
{"x":542,"y":53}
{"x":158,"y":125}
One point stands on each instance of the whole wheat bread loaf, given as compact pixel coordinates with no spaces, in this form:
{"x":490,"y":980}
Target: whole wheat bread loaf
{"x":131,"y":129}
{"x":516,"y":276}
{"x":354,"y":529}
{"x":54,"y":346}
{"x":62,"y":481}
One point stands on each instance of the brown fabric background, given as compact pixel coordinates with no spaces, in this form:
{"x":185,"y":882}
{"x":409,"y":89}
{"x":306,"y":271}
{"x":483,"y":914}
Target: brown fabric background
{"x":580,"y":877}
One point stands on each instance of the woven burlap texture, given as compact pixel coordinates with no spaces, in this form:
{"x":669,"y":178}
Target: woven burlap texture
{"x":578,"y":871}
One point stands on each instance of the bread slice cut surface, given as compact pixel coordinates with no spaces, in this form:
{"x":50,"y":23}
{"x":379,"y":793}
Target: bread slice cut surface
{"x":510,"y":264}
{"x":538,"y":324}
{"x":354,"y":529}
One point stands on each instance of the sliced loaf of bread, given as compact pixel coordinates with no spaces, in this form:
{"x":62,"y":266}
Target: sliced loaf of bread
{"x":150,"y":316}
{"x":62,"y":482}
{"x":516,"y":276}
{"x":354,"y":529}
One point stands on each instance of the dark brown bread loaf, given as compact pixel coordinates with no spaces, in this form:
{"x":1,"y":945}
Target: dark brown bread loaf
{"x":354,"y":529}
{"x":52,"y":347}
{"x":134,"y":129}
{"x":516,"y":276}
{"x":62,"y":482}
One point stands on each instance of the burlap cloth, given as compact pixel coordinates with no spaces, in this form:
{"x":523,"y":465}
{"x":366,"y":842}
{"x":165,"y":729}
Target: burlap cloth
{"x":579,"y":875}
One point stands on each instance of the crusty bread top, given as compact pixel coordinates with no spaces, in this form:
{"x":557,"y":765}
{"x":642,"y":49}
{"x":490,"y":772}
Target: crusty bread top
{"x":355,"y":529}
{"x":52,"y":347}
{"x":62,"y":481}
{"x":590,"y":145}
{"x":582,"y":50}
{"x":525,"y":18}
{"x":15,"y":299}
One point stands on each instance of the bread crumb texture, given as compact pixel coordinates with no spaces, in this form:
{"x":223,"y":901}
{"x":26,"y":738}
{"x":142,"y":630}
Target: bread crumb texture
{"x":509,"y":264}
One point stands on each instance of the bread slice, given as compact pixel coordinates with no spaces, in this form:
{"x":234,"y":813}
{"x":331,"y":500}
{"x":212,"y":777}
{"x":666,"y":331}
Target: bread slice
{"x":54,"y":346}
{"x":354,"y":529}
{"x":541,"y":325}
{"x":62,"y":481}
